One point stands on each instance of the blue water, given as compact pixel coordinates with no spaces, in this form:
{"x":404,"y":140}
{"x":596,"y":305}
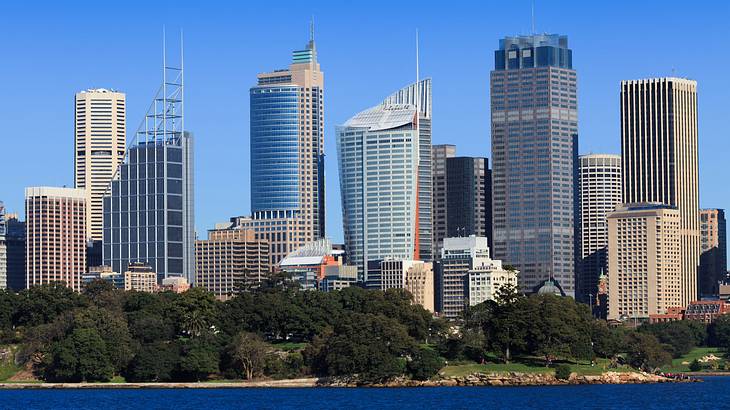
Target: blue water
{"x":714,"y":393}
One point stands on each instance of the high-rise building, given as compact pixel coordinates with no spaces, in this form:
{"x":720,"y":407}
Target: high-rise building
{"x":230,"y":260}
{"x":148,"y":208}
{"x":55,"y":236}
{"x":462,"y":257}
{"x":469,"y":197}
{"x":439,"y":214}
{"x":644,"y":269}
{"x":713,"y":244}
{"x":534,"y":158}
{"x":15,"y":247}
{"x":287,"y":154}
{"x":380,"y":155}
{"x":414,"y":276}
{"x":3,"y":249}
{"x":100,"y":140}
{"x":660,"y":160}
{"x":599,"y":192}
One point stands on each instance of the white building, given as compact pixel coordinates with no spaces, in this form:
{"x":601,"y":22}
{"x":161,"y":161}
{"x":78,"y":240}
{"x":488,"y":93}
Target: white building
{"x":414,"y":276}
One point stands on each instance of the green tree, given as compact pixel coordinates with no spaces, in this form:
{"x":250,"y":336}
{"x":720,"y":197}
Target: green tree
{"x":155,"y":362}
{"x":198,"y":361}
{"x":719,"y":333}
{"x":677,"y":336}
{"x":424,"y":364}
{"x":645,"y":352}
{"x":247,"y":354}
{"x":112,"y":328}
{"x":80,"y":357}
{"x":42,"y":304}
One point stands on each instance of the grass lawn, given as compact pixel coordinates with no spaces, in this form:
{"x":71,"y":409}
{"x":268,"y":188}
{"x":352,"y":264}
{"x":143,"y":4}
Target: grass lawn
{"x":8,"y":367}
{"x":529,"y":365}
{"x":696,"y":353}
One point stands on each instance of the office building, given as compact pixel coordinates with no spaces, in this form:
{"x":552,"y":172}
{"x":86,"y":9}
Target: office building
{"x":104,"y":273}
{"x":55,"y":236}
{"x":599,"y":192}
{"x":379,"y":152}
{"x":469,"y":197}
{"x":231,"y":260}
{"x":660,"y":161}
{"x":465,"y":266}
{"x":534,"y":158}
{"x":644,"y":262}
{"x":713,"y":244}
{"x":148,"y":208}
{"x":3,"y":250}
{"x":100,"y":140}
{"x":313,"y":262}
{"x":15,"y":248}
{"x":414,"y":276}
{"x":140,"y":278}
{"x":287,"y":154}
{"x":439,"y":214}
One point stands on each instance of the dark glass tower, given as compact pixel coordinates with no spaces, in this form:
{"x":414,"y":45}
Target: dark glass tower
{"x":468,"y":197}
{"x":535,"y":154}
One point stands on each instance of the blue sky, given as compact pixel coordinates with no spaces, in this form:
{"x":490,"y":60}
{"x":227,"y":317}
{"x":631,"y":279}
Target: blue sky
{"x":48,"y":51}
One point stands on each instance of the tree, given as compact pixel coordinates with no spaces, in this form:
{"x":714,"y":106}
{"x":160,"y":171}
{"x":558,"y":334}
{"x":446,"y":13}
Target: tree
{"x":42,"y":304}
{"x":198,"y":361}
{"x":424,"y":364}
{"x":677,"y":336}
{"x":247,"y":354}
{"x":645,"y":352}
{"x":113,"y":330}
{"x":155,"y":362}
{"x":719,"y":333}
{"x":80,"y":357}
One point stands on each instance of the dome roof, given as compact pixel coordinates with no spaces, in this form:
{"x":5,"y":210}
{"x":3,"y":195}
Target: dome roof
{"x":550,"y":287}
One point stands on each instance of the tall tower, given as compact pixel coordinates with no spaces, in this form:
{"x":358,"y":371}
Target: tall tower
{"x":439,"y":214}
{"x":55,"y":235}
{"x":469,"y":197}
{"x":535,"y":154}
{"x":379,"y":155}
{"x":660,"y":160}
{"x":3,"y":249}
{"x":149,"y":208}
{"x":287,"y":154}
{"x":599,"y":192}
{"x":100,"y":141}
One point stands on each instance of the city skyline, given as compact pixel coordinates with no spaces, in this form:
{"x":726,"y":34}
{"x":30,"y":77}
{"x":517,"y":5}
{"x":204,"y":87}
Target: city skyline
{"x":217,"y":201}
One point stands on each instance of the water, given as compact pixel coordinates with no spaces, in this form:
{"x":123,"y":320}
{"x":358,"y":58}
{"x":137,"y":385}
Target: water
{"x":714,"y":393}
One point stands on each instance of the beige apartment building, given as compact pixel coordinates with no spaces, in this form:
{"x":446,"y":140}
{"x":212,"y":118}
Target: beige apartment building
{"x":140,"y":277}
{"x":230,"y":259}
{"x":414,"y":276}
{"x":55,"y":236}
{"x":99,"y":145}
{"x":660,"y":159}
{"x":644,"y":261}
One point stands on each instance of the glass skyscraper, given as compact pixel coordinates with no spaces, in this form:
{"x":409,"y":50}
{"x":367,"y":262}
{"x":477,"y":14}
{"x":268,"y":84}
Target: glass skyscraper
{"x":380,"y":154}
{"x":534,"y":153}
{"x":287,"y":154}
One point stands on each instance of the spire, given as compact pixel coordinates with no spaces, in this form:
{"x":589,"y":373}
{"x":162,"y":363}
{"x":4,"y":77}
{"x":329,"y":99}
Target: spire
{"x":311,"y":46}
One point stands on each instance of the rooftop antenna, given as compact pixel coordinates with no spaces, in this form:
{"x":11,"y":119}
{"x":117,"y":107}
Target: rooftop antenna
{"x":311,"y":29}
{"x":418,"y":86}
{"x":533,"y":17}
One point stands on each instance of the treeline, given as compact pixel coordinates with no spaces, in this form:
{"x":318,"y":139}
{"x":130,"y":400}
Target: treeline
{"x":280,"y":332}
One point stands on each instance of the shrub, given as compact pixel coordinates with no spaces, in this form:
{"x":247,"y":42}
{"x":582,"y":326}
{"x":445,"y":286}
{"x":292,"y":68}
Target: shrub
{"x":425,"y":364}
{"x":695,"y":366}
{"x":562,"y":372}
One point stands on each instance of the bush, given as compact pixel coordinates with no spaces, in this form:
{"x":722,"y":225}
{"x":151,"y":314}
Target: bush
{"x":562,"y":372}
{"x":425,"y":364}
{"x":695,"y":366}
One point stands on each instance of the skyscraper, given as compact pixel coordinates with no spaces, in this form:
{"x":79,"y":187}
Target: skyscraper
{"x":660,"y":161}
{"x":534,"y":158}
{"x":55,"y":235}
{"x":469,"y":197}
{"x":148,"y":208}
{"x":15,"y":246}
{"x":439,"y":155}
{"x":287,"y":154}
{"x":379,"y":155}
{"x":3,"y":250}
{"x":599,"y":192}
{"x":713,"y":243}
{"x":644,"y":270}
{"x":100,"y":141}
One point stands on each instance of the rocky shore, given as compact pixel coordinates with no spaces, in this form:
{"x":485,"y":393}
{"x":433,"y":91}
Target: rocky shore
{"x":476,"y":379}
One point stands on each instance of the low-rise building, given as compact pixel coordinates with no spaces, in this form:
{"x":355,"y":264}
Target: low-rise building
{"x":140,"y":277}
{"x":486,"y":280}
{"x":175,"y":284}
{"x":105,"y":273}
{"x":706,"y":311}
{"x":309,"y":264}
{"x":414,"y":276}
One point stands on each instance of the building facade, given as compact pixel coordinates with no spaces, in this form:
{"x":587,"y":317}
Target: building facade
{"x":713,"y":245}
{"x":439,"y":214}
{"x":414,"y":276}
{"x":599,"y":192}
{"x":660,"y":159}
{"x":140,"y":278}
{"x":231,"y":260}
{"x":287,"y":154}
{"x":469,"y":197}
{"x":644,"y":262}
{"x":311,"y":264}
{"x":15,"y":248}
{"x":55,"y":236}
{"x":534,"y":158}
{"x":100,"y":141}
{"x":379,"y":155}
{"x":3,"y":249}
{"x":484,"y":282}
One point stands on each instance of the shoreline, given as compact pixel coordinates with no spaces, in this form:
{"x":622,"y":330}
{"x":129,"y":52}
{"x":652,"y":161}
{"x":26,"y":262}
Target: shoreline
{"x":472,"y":380}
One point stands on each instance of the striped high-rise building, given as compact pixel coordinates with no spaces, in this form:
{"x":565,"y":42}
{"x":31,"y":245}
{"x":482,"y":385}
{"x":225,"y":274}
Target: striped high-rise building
{"x":599,"y":192}
{"x":535,"y":158}
{"x":386,"y":195}
{"x":439,"y":155}
{"x":660,"y":159}
{"x":55,"y":236}
{"x":287,"y":154}
{"x":100,"y":139}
